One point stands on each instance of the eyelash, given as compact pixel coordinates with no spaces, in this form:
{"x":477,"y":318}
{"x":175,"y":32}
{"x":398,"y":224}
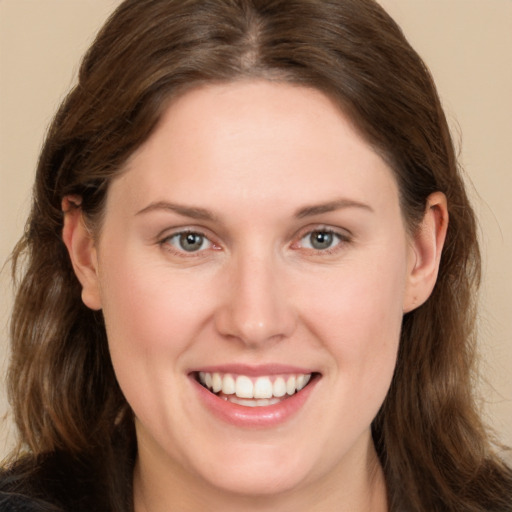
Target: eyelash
{"x":168,"y":246}
{"x":339,"y":239}
{"x":342,"y":238}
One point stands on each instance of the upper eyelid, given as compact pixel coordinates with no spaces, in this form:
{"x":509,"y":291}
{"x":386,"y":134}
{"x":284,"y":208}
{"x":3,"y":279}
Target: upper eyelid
{"x":164,"y":242}
{"x":342,"y":232}
{"x":342,"y":238}
{"x":168,"y":233}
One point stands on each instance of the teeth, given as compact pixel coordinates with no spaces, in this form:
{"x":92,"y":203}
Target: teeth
{"x":279,"y":387}
{"x":263,"y":388}
{"x":291,"y":385}
{"x":302,"y":380}
{"x":228,"y":385}
{"x":244,"y":387}
{"x":216,"y":382}
{"x":252,"y":402}
{"x":260,"y":389}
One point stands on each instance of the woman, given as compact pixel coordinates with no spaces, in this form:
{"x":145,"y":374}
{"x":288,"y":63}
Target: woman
{"x":250,"y":274}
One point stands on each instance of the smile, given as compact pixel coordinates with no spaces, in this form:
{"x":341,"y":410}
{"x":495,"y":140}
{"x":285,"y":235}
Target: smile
{"x":255,"y":397}
{"x":253,"y":391}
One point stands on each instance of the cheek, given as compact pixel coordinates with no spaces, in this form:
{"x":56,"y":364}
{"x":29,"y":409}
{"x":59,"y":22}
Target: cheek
{"x":149,"y":319}
{"x":358,"y":315}
{"x":145,"y":304}
{"x":152,"y":319}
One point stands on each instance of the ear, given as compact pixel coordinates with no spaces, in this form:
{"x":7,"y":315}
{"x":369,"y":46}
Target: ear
{"x":82,"y":251}
{"x":425,"y":252}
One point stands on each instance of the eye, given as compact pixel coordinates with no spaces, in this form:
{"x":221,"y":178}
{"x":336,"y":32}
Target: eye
{"x":188,"y":241}
{"x":321,"y":240}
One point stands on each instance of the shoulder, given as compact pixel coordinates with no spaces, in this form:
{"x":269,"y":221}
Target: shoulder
{"x":51,"y":483}
{"x":20,"y":490}
{"x":60,"y":481}
{"x":17,"y":494}
{"x":13,"y":502}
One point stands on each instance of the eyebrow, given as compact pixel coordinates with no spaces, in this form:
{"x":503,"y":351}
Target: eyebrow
{"x":203,"y":214}
{"x":186,"y":211}
{"x":331,"y":206}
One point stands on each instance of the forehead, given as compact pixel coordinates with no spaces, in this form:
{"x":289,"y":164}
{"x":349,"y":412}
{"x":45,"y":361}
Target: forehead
{"x":255,"y":141}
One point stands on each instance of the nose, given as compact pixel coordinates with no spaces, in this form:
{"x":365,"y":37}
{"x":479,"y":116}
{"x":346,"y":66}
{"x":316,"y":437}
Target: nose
{"x":255,"y":308}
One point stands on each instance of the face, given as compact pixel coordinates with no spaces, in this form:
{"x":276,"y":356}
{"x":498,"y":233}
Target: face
{"x":253,"y":269}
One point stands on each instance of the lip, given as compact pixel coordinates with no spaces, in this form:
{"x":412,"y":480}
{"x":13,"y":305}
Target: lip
{"x":254,"y":417}
{"x":254,"y":371}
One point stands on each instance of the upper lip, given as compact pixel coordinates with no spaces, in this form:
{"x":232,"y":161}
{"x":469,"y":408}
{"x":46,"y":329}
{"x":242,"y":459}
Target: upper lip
{"x":254,"y":370}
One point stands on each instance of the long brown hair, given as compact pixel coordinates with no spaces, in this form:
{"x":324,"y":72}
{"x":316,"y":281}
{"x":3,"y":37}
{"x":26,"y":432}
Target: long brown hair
{"x":434,"y":449}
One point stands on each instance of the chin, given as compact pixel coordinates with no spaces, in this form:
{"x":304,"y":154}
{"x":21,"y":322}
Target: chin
{"x":256,"y":480}
{"x":253,"y":469}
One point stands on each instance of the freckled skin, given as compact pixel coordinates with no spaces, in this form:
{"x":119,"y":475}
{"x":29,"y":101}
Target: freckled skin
{"x":253,"y":154}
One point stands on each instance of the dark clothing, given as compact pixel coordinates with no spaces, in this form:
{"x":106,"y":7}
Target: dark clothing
{"x":55,"y":482}
{"x":16,"y":503}
{"x":100,"y":481}
{"x":59,"y":482}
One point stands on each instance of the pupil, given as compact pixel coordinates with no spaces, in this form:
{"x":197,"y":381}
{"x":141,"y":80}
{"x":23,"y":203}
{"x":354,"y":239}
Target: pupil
{"x":321,"y":240}
{"x":191,"y":241}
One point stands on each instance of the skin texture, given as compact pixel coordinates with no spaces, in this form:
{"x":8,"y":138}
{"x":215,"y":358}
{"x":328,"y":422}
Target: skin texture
{"x":254,"y":154}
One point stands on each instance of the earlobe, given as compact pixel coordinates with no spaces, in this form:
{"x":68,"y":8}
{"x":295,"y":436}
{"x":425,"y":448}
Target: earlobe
{"x":425,"y":252}
{"x":82,"y":251}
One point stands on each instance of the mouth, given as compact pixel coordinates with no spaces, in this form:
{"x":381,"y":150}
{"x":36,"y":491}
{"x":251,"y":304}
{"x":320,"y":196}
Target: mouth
{"x":250,"y":391}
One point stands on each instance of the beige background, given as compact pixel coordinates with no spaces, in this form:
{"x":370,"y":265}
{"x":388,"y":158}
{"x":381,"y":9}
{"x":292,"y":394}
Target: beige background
{"x":466,"y":43}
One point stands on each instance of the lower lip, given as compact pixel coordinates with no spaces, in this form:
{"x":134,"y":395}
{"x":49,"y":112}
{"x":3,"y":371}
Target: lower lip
{"x":267,"y":416}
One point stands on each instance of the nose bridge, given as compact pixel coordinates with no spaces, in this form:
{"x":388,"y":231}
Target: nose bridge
{"x":256,"y":308}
